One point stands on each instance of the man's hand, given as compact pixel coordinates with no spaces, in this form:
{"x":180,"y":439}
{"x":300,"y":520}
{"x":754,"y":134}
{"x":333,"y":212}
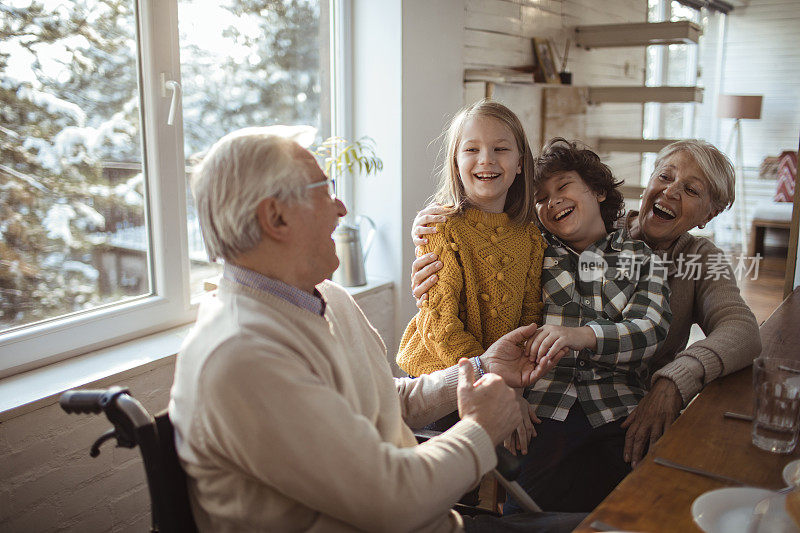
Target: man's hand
{"x":508,"y":357}
{"x":488,"y":401}
{"x":651,"y":418}
{"x":519,"y":439}
{"x":551,"y":340}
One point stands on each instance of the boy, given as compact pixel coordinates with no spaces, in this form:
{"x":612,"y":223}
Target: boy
{"x":606,"y":300}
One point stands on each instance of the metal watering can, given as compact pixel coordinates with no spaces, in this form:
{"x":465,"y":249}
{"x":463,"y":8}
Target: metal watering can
{"x":349,"y":250}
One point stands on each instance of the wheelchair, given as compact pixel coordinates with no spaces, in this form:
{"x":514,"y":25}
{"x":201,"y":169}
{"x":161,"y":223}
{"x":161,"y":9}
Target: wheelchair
{"x":166,"y":480}
{"x":134,"y":426}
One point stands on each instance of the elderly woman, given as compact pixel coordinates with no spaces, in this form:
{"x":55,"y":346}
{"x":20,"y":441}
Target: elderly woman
{"x":691,"y":184}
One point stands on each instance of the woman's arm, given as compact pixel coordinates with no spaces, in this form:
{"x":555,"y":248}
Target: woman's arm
{"x":732,"y":337}
{"x":650,"y":419}
{"x":732,"y":342}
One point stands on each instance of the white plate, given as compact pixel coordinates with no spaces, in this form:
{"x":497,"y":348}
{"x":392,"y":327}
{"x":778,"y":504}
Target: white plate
{"x":791,"y":473}
{"x":727,"y":510}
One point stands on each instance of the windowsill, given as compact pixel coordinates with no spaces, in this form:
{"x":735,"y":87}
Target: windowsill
{"x":373,"y":285}
{"x":28,"y":391}
{"x":22,"y":393}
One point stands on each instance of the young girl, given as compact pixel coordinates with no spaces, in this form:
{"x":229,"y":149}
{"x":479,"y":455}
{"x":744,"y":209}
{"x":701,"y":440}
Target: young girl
{"x":490,"y":281}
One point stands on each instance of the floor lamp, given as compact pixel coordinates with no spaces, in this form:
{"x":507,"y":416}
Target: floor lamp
{"x":739,"y":107}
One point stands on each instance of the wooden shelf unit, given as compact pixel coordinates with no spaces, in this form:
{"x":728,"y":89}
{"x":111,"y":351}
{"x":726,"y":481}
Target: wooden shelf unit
{"x":631,"y":145}
{"x":637,"y":34}
{"x":631,"y":192}
{"x":640,"y":95}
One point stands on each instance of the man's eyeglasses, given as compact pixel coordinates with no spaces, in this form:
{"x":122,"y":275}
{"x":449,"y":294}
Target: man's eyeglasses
{"x":327,"y":183}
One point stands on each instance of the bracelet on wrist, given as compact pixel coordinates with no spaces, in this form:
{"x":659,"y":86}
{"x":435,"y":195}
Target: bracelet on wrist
{"x":479,"y":366}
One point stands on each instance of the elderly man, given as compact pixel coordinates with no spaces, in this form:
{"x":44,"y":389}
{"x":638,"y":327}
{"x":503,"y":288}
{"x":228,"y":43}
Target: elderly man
{"x":287,"y":417}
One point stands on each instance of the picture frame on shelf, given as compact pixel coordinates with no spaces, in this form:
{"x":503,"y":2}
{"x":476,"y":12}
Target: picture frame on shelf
{"x":545,"y":61}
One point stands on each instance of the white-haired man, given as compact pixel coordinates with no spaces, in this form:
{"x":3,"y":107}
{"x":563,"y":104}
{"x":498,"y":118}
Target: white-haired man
{"x":286,"y":414}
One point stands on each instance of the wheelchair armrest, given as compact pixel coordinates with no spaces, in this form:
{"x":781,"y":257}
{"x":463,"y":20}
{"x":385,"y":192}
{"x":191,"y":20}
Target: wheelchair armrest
{"x":425,"y":434}
{"x":508,"y":464}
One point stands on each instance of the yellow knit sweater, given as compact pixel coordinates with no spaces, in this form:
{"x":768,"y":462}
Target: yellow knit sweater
{"x":489,"y":285}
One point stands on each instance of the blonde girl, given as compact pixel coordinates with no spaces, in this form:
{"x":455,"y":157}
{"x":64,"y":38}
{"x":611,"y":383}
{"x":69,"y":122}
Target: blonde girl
{"x":490,"y":248}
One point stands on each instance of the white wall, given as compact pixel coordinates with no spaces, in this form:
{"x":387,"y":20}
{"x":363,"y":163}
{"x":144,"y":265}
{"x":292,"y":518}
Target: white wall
{"x":408,"y":76}
{"x":49,"y":482}
{"x":762,"y":56}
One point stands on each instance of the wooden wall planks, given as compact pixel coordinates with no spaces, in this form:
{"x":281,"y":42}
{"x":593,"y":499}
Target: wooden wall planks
{"x":498,"y":33}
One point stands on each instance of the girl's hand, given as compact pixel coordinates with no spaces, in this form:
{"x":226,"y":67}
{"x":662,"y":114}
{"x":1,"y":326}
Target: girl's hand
{"x":430,"y":215}
{"x":554,"y":342}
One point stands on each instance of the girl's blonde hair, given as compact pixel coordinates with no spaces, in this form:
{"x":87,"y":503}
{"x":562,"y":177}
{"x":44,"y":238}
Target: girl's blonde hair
{"x":450,"y":192}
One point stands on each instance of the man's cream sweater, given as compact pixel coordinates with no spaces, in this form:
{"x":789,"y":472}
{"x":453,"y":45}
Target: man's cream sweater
{"x":289,"y":421}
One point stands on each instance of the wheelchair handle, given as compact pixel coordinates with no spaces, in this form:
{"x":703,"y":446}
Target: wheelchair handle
{"x":89,"y":401}
{"x":110,"y":401}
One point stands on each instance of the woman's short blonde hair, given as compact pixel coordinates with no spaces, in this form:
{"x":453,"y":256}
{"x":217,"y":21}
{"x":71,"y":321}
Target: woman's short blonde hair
{"x":716,"y":167}
{"x":450,"y":192}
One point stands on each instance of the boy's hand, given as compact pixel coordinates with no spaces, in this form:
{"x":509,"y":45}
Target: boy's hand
{"x":519,"y":439}
{"x":423,"y":276}
{"x":553,"y":342}
{"x":430,"y":215}
{"x":509,"y":357}
{"x":424,"y":268}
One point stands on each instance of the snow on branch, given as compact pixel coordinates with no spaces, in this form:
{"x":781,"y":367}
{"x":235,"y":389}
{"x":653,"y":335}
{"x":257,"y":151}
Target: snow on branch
{"x":30,"y":180}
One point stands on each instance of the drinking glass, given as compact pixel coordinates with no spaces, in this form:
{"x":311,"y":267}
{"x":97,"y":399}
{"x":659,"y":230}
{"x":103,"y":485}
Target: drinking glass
{"x":776,"y":404}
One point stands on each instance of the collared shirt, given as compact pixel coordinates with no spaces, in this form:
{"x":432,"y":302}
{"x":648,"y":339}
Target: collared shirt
{"x":260,"y":282}
{"x":619,"y":289}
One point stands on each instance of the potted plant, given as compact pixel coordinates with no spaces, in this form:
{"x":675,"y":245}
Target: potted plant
{"x":358,"y":157}
{"x":343,"y":156}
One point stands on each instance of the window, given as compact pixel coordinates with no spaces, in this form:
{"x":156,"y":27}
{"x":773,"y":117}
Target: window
{"x":680,"y":65}
{"x":267,"y":66}
{"x":99,"y":240}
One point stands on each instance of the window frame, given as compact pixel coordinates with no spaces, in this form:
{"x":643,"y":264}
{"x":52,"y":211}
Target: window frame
{"x":169,"y":303}
{"x":655,"y":114}
{"x":341,"y":47}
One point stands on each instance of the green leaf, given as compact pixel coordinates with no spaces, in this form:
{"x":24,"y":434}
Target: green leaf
{"x":345,"y":155}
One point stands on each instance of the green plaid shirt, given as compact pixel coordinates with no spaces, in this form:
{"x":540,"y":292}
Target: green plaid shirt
{"x":618,"y":287}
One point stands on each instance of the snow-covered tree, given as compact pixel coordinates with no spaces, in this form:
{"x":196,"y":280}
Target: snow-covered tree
{"x":59,"y":116}
{"x":268,"y":72}
{"x":69,"y":106}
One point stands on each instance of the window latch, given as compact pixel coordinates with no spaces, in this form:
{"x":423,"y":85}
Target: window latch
{"x":175,"y":87}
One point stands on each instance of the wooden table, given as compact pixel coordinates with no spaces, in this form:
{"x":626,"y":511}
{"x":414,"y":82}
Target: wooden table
{"x":657,"y":498}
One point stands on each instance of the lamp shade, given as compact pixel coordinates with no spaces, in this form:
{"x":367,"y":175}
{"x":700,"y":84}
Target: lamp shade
{"x":739,"y":106}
